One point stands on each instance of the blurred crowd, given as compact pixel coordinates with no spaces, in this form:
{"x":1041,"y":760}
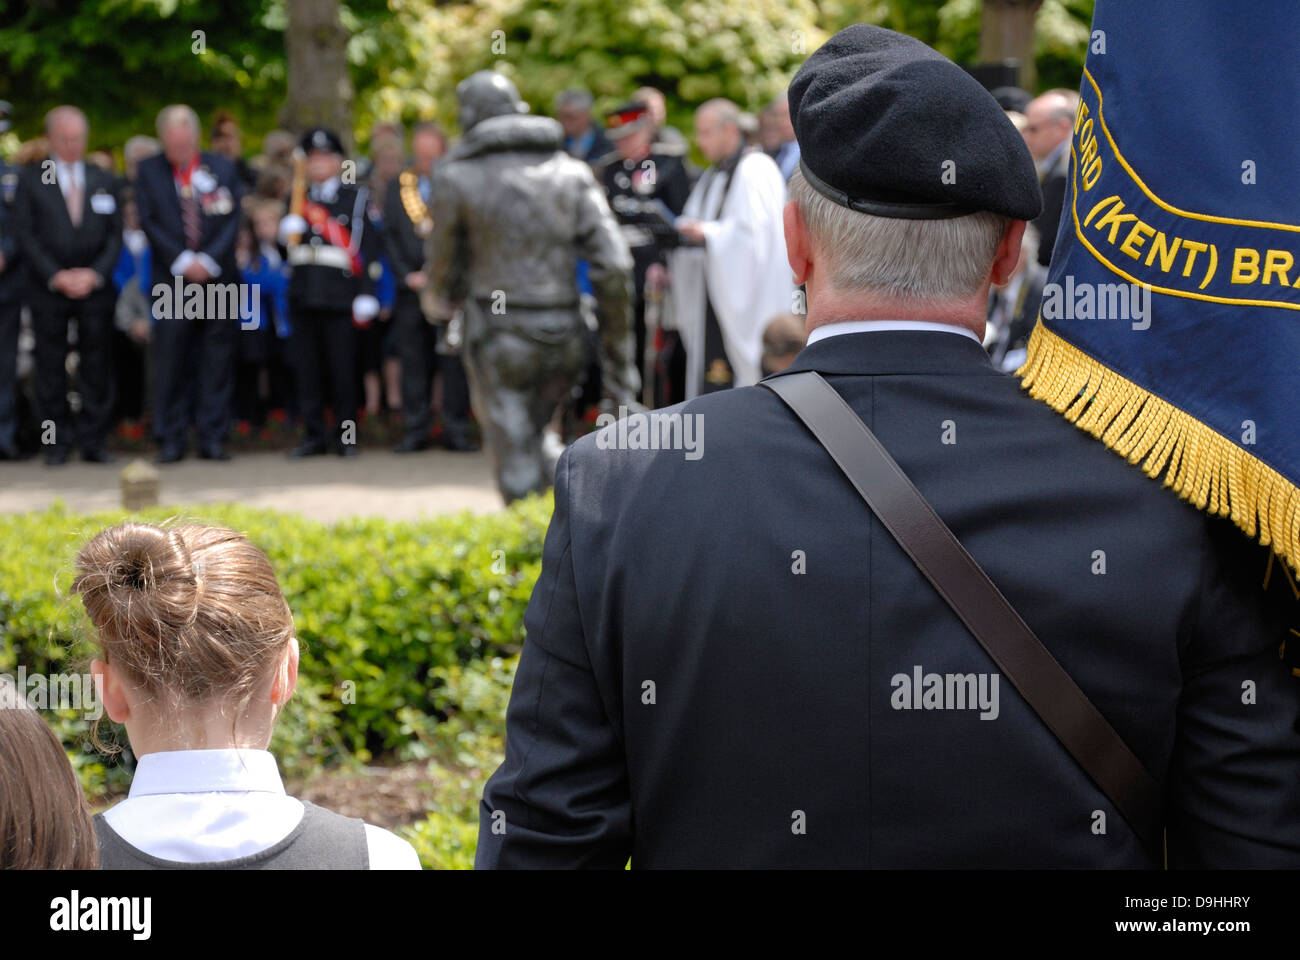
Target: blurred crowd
{"x":85,"y":241}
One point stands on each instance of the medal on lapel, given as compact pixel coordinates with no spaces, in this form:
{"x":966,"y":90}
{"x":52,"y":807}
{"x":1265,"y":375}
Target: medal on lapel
{"x":203,"y":181}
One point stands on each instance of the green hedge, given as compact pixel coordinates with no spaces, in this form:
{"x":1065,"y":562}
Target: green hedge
{"x":409,"y":633}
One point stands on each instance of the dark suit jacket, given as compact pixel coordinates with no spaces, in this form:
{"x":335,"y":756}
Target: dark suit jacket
{"x":50,"y":243}
{"x":159,"y":208}
{"x":687,"y":698}
{"x":405,"y":248}
{"x":13,"y":274}
{"x":1049,"y":221}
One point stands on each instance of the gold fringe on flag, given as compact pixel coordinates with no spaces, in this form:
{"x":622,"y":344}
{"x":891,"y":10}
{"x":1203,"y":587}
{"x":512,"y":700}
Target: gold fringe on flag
{"x":1201,"y":465}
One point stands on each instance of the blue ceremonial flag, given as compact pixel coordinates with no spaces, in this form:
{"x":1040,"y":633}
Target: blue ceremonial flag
{"x":1170,"y":323}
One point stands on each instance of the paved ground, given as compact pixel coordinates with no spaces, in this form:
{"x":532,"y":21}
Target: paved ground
{"x":325,"y":488}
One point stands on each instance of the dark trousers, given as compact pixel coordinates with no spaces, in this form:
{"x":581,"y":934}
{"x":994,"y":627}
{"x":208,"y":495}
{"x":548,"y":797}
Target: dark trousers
{"x":417,"y":341}
{"x":130,"y":365}
{"x":186,"y":350}
{"x":455,"y":394}
{"x":262,"y":353}
{"x":325,"y":356}
{"x":10,"y":315}
{"x":94,"y":371}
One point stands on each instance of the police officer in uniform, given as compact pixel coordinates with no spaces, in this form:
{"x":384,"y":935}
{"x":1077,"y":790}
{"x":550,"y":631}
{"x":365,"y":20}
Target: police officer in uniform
{"x":333,"y":251}
{"x":11,"y":301}
{"x":408,"y":221}
{"x":725,"y":655}
{"x":647,"y":184}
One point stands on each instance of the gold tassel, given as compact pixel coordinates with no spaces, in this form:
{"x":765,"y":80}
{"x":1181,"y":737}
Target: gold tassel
{"x":1201,"y":465}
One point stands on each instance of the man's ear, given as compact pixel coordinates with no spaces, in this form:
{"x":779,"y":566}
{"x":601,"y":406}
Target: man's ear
{"x":1008,"y":255}
{"x":110,"y":689}
{"x":798,"y":249}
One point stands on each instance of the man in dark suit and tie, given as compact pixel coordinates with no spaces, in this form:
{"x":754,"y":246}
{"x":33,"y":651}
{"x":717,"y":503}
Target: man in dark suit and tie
{"x":188,"y":204}
{"x":731,"y":662}
{"x":1048,"y":122}
{"x":408,"y":221}
{"x":69,"y":230}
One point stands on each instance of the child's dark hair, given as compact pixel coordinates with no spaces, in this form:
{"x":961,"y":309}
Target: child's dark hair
{"x":44,"y":820}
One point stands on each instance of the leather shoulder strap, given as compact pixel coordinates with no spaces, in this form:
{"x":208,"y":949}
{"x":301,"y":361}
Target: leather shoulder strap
{"x":1021,"y":656}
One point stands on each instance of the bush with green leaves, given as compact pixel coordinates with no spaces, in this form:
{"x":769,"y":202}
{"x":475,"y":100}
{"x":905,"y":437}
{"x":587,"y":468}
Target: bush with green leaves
{"x":407,"y":631}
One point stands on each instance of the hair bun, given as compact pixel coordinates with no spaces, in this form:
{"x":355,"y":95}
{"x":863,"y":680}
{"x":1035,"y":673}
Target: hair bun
{"x":135,"y":567}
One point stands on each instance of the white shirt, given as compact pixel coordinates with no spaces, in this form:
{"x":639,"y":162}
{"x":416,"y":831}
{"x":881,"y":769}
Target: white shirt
{"x":870,"y":326}
{"x":69,"y":173}
{"x":203,"y":805}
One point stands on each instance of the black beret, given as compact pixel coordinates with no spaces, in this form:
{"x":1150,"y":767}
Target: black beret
{"x":890,"y":127}
{"x":321,"y":138}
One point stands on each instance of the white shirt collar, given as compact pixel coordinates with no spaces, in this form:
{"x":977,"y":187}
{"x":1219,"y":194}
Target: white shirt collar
{"x":206,"y":771}
{"x":872,"y":326}
{"x":70,"y":173}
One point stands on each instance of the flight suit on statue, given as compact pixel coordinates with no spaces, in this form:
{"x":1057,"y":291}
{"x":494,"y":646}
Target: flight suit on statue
{"x":512,"y":216}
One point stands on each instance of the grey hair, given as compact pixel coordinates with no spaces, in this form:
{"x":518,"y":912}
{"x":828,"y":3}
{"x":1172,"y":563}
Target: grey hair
{"x":140,"y":146}
{"x":923,"y":260}
{"x":67,"y":110}
{"x":1066,"y":107}
{"x":724,"y":112}
{"x":167,"y":115}
{"x":573,"y":100}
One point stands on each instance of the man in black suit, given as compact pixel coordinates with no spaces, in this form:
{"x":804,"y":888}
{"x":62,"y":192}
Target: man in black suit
{"x":69,"y":229}
{"x":408,"y":221}
{"x":188,"y":203}
{"x":1048,"y":122}
{"x":583,"y":137}
{"x":730,"y":662}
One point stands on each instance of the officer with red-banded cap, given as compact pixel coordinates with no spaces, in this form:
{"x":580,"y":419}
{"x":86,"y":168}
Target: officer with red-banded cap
{"x":647,"y":184}
{"x":333,"y":254}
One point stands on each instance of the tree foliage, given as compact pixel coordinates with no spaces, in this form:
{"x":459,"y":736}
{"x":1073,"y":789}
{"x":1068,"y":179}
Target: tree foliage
{"x":122,"y":60}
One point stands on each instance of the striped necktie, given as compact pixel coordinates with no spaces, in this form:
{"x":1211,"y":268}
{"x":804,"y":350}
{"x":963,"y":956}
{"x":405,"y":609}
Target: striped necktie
{"x":191,"y":215}
{"x":192,"y":219}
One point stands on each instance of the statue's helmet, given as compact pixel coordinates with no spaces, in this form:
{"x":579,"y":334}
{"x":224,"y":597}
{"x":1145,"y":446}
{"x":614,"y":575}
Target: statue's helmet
{"x":487,"y":94}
